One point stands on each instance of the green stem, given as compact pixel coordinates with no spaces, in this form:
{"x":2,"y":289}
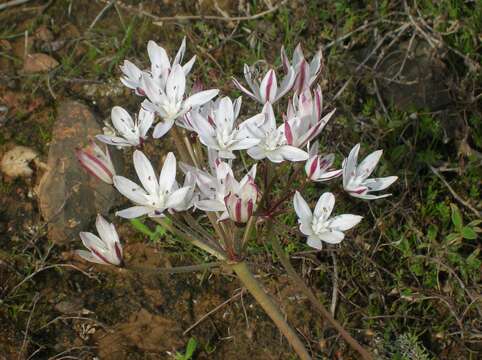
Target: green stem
{"x":169,"y":227}
{"x":300,"y":284}
{"x":177,"y":269}
{"x":263,"y":299}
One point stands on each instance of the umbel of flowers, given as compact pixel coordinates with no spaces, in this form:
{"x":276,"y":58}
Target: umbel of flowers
{"x":210,"y":132}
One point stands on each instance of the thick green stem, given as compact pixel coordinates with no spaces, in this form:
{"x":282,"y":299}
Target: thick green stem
{"x":300,"y":284}
{"x":263,"y":299}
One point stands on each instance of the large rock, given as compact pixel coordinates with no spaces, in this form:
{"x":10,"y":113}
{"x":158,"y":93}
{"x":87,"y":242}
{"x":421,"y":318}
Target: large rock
{"x":69,"y":198}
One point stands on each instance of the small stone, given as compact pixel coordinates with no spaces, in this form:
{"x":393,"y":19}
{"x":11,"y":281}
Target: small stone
{"x":36,"y":63}
{"x":15,"y":163}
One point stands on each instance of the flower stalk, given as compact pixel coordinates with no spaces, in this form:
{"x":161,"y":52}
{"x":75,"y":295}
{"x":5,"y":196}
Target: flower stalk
{"x":299,"y":283}
{"x":263,"y":299}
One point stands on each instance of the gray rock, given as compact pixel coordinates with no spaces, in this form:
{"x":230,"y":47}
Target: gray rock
{"x":69,"y":198}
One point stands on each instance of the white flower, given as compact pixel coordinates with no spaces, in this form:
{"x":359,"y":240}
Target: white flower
{"x":129,"y":132}
{"x":168,"y":101}
{"x":305,"y":74}
{"x":223,"y":193}
{"x":355,"y":178}
{"x":217,"y":130}
{"x":156,"y":196}
{"x":242,"y":197}
{"x":303,"y":120}
{"x":105,"y":250}
{"x":317,"y":167}
{"x":97,"y":162}
{"x":318,"y":226}
{"x":160,"y":67}
{"x":267,"y":90}
{"x":272,"y":140}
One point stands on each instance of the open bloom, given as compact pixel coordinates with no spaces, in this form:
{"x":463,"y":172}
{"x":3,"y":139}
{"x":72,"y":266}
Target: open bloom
{"x":105,"y":249}
{"x":319,"y":226}
{"x":96,"y":161}
{"x":303,"y":120}
{"x":318,"y":167}
{"x":160,"y":67}
{"x":128,"y":132}
{"x":223,"y":193}
{"x":355,"y":178}
{"x":273,"y":143}
{"x":305,"y":74}
{"x":168,"y":101}
{"x":267,"y":90}
{"x":217,"y":130}
{"x":156,"y":196}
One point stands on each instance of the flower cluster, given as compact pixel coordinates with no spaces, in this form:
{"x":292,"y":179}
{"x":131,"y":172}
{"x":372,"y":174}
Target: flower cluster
{"x":219,"y":130}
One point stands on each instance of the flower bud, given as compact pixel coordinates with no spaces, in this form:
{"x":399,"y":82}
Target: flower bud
{"x":97,"y":162}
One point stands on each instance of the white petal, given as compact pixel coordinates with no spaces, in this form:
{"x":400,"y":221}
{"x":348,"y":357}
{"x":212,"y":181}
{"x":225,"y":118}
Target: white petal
{"x":133,"y":212}
{"x":349,"y":166}
{"x":106,"y":231}
{"x":315,"y":242}
{"x":145,"y":172}
{"x":86,"y":255}
{"x":168,"y":173}
{"x":243,"y":89}
{"x":292,"y":153}
{"x":344,"y":222}
{"x":176,"y":84}
{"x":377,"y":184}
{"x":130,"y":190}
{"x":159,"y":59}
{"x":200,"y":98}
{"x":210,"y":205}
{"x":188,"y":66}
{"x":286,"y":84}
{"x":113,"y":140}
{"x":146,"y":118}
{"x":92,"y":241}
{"x":121,"y":120}
{"x":268,"y":86}
{"x":332,"y":237}
{"x":161,"y":128}
{"x":257,"y":153}
{"x":369,"y":196}
{"x":368,"y":164}
{"x":324,"y":206}
{"x":302,"y":209}
{"x":177,"y":197}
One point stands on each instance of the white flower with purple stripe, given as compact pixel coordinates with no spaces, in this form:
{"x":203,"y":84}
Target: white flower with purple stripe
{"x":303,"y":120}
{"x":103,"y":249}
{"x":168,"y":101}
{"x":355,"y":178}
{"x":305,"y":74}
{"x":273,"y":143}
{"x":96,"y":161}
{"x":318,"y":226}
{"x":129,"y":132}
{"x":319,"y":168}
{"x":155,"y":196}
{"x":268,"y":90}
{"x":218,"y":131}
